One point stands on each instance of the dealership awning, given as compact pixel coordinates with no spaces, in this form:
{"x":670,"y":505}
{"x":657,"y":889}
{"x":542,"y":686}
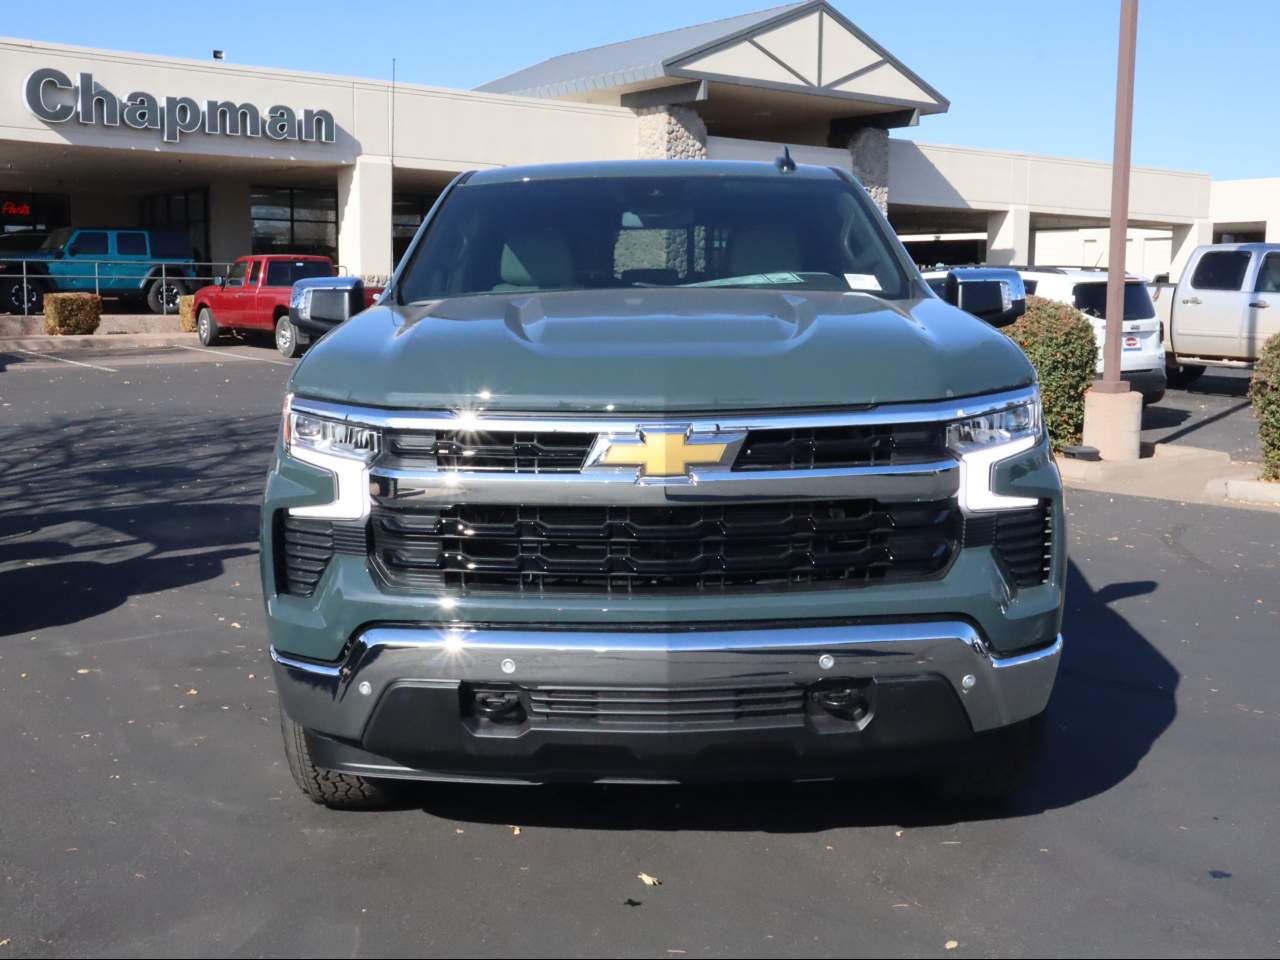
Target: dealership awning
{"x":800,"y":63}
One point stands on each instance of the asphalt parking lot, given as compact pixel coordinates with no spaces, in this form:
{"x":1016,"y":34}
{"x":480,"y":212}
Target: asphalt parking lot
{"x":145,"y":808}
{"x":1213,"y":413}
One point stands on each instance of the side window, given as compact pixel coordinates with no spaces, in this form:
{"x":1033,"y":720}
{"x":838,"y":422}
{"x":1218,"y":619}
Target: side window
{"x":235,"y":278}
{"x":255,"y":272}
{"x":131,"y":244}
{"x":1269,"y":274}
{"x":89,"y":243}
{"x":1221,"y":270}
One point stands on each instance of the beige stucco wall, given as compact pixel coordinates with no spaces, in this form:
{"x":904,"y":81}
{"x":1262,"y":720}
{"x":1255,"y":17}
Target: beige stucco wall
{"x":1248,"y":202}
{"x":968,"y":178}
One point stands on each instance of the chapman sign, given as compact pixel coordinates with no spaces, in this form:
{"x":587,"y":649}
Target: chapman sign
{"x":52,"y":97}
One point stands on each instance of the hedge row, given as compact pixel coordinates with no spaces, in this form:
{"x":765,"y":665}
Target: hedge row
{"x":1058,"y":340}
{"x":1264,"y":391}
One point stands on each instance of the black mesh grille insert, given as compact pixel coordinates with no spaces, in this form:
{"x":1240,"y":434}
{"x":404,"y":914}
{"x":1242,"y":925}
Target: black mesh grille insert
{"x":695,"y":547}
{"x":1024,"y":541}
{"x":506,"y":452}
{"x":810,"y":448}
{"x":663,"y":706}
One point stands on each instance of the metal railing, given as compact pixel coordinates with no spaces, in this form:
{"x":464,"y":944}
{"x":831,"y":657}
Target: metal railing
{"x":189,"y":275}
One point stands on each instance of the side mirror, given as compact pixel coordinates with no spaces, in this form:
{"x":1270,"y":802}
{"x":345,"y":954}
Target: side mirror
{"x":219,"y":281}
{"x":73,"y":251}
{"x":994,"y":294}
{"x":318,"y":304}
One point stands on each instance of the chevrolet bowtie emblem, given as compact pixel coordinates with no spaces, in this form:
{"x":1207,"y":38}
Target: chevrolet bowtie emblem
{"x":664,"y":451}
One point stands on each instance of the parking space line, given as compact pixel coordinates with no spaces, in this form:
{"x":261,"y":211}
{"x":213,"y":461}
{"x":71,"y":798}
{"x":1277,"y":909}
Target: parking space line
{"x":78,"y":363}
{"x":237,"y":356}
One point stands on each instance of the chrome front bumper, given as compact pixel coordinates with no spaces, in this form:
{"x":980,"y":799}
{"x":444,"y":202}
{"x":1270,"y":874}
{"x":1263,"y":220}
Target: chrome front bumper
{"x":337,"y":700}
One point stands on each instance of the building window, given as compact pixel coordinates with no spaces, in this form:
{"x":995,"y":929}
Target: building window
{"x":288,"y":220}
{"x":184,"y":213}
{"x":408,"y":210}
{"x":33,"y":211}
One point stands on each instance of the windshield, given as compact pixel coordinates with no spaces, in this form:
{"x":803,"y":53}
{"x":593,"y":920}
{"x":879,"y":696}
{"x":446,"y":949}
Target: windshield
{"x":58,"y":239}
{"x":1091,"y":298}
{"x":664,"y":231}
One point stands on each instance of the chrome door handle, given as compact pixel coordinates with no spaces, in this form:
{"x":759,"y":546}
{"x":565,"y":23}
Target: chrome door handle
{"x":1259,"y":304}
{"x":1191,"y":300}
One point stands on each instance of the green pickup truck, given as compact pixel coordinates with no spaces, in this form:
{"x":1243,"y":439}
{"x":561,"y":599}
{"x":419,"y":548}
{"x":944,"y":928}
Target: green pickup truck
{"x":662,"y":471}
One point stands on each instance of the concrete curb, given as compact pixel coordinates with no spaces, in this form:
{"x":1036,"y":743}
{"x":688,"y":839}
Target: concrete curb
{"x":111,"y":324}
{"x":1253,"y":491}
{"x":1163,"y":458}
{"x":97,"y":341}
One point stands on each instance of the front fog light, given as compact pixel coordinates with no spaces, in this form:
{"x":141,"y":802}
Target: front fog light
{"x":983,"y":441}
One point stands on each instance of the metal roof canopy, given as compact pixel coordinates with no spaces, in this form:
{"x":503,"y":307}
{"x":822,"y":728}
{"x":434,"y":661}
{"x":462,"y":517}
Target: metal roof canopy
{"x":797,"y":63}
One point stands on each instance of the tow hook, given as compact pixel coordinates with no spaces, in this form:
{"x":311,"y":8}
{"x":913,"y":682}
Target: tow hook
{"x":499,"y":706}
{"x":845,"y":701}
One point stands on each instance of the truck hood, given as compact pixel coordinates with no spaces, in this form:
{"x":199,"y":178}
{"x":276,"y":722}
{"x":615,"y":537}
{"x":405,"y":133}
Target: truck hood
{"x":659,"y":351}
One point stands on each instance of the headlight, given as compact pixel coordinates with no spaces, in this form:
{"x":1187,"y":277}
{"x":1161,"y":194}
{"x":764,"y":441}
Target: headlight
{"x":983,"y":441}
{"x":303,"y":431}
{"x":993,"y":429}
{"x":344,"y":449}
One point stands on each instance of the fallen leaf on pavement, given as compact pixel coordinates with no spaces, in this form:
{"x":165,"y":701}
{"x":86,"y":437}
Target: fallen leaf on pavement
{"x":515,"y":831}
{"x":951,"y":944}
{"x":649,"y":881}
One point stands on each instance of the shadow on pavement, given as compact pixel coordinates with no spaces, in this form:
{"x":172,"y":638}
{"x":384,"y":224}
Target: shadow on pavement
{"x":100,"y":509}
{"x":1114,"y":698}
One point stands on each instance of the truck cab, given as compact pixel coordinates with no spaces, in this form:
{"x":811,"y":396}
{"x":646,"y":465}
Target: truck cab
{"x":1223,"y":309}
{"x":254,"y":295}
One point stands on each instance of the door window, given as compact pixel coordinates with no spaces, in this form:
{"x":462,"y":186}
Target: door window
{"x":1269,"y":274}
{"x":1221,"y":270}
{"x":89,"y":243}
{"x":253,"y":274}
{"x":131,"y":244}
{"x":236,"y":277}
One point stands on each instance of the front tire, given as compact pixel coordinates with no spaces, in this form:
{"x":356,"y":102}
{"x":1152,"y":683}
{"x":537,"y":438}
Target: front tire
{"x":1000,"y":764}
{"x":163,"y":295}
{"x":207,"y":328}
{"x":341,"y":791}
{"x":14,"y":291}
{"x":289,"y":339}
{"x":1184,"y":374}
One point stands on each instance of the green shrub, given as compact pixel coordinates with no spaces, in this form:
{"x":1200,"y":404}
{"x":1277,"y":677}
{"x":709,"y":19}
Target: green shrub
{"x":186,"y":317}
{"x":1059,"y":342}
{"x":67,"y":314}
{"x":1264,"y":391}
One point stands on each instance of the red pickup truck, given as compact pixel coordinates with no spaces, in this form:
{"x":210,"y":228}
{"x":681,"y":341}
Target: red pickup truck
{"x":254,"y":295}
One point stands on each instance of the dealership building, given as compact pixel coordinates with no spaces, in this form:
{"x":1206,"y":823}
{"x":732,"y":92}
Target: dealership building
{"x":254,"y":159}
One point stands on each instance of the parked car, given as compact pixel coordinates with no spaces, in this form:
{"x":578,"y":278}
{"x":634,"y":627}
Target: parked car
{"x":254,"y":295}
{"x":1142,"y":361}
{"x":21,"y":242}
{"x":662,"y":472}
{"x":153,"y":264}
{"x":1222,"y":310}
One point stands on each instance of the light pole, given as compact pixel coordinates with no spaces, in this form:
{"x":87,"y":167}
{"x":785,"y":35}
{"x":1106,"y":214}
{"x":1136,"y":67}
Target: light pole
{"x":1113,"y":415}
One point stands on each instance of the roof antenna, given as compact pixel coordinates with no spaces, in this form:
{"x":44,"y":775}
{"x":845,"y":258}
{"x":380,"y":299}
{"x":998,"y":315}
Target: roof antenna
{"x":784,"y":163}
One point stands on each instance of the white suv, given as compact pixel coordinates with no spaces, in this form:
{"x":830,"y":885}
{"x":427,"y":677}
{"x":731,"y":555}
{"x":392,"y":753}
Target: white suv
{"x":1141,"y":354}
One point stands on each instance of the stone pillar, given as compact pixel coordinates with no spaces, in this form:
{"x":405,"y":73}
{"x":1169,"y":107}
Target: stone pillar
{"x":364,"y":219}
{"x":1183,"y":240}
{"x":670,"y":132}
{"x":1009,"y":238}
{"x":869,"y":155}
{"x":230,"y":222}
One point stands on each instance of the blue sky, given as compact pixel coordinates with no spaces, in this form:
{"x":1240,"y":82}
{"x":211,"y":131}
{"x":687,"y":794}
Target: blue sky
{"x":1031,"y":76}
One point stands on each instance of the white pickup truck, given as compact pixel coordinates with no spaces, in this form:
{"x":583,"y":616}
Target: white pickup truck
{"x":1222,"y":310}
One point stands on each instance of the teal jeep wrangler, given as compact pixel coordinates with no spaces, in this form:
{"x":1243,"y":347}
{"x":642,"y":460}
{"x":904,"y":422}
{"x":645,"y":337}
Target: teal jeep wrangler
{"x":662,"y":471}
{"x":156,"y":266}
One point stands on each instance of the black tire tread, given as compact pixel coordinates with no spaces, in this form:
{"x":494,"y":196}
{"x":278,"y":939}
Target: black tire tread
{"x":337,"y":790}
